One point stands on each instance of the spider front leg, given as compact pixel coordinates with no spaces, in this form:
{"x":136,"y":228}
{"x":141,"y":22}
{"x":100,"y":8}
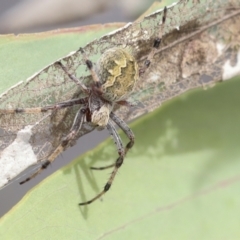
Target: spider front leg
{"x":121,"y":152}
{"x":73,"y":77}
{"x":90,"y":67}
{"x":156,"y":44}
{"x":127,"y":131}
{"x":76,"y":126}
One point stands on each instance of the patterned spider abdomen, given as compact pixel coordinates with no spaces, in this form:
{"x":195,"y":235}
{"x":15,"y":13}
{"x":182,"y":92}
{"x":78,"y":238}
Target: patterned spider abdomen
{"x":118,"y":73}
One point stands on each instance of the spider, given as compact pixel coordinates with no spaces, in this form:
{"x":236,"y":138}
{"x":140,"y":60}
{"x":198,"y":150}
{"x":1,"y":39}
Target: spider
{"x":113,"y":80}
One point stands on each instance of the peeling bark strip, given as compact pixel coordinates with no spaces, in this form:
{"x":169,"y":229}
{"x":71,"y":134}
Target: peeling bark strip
{"x":199,"y":47}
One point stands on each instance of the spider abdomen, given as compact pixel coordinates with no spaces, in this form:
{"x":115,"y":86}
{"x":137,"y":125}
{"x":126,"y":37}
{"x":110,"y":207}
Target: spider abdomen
{"x":118,"y":73}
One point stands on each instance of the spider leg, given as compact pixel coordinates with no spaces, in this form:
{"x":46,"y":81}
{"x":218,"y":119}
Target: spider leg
{"x":60,"y":105}
{"x":90,"y":67}
{"x":127,"y":131}
{"x":156,"y":44}
{"x":76,"y":126}
{"x":72,"y":77}
{"x":121,"y":152}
